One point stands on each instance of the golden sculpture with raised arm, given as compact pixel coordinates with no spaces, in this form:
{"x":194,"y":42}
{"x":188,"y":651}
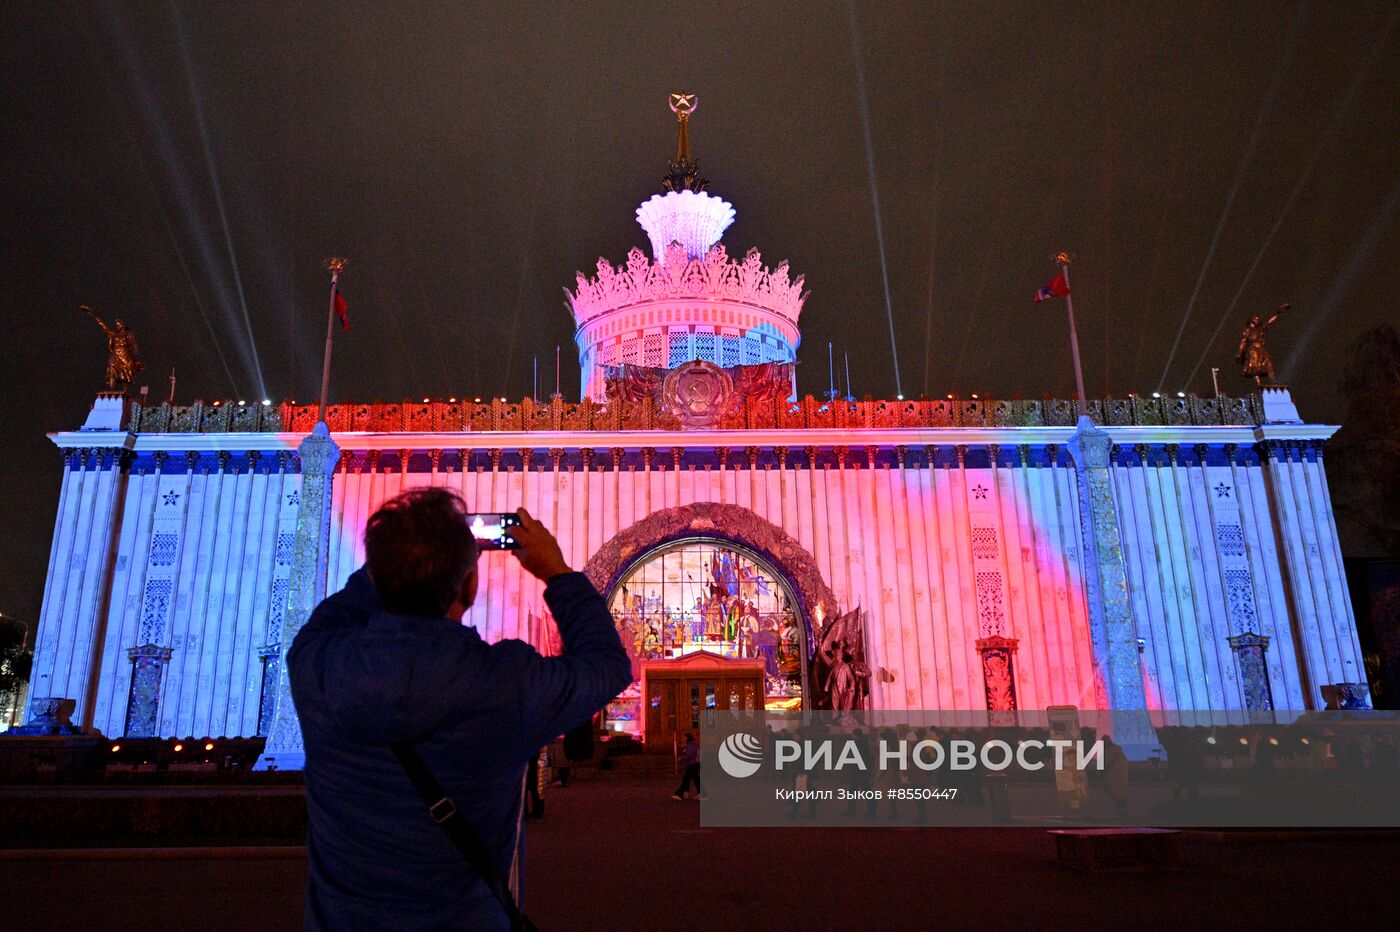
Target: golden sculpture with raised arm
{"x":1253,"y":355}
{"x":122,"y":352}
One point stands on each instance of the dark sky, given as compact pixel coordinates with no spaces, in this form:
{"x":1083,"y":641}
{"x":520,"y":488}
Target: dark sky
{"x":177,"y":164}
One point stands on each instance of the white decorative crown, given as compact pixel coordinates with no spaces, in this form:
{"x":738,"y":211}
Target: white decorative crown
{"x":715,"y":277}
{"x":696,"y":220}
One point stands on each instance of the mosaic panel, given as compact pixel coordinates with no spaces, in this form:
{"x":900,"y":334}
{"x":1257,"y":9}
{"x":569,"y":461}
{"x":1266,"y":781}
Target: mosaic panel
{"x":984,"y":543}
{"x":155,"y":606}
{"x":283,"y":553}
{"x":1229,"y":539}
{"x":277,"y":609}
{"x":991,"y":612}
{"x":1239,"y":592}
{"x":163,"y":548}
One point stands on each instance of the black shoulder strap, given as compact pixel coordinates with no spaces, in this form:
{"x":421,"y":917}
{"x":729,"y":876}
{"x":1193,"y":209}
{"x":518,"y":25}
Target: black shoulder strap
{"x":455,"y":826}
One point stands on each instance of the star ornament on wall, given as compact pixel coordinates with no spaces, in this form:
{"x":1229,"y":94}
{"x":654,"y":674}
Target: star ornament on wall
{"x":293,"y":498}
{"x":1222,"y":491}
{"x":170,"y":498}
{"x":979,"y":491}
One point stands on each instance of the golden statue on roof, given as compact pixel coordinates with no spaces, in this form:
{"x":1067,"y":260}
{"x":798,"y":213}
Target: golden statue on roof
{"x":122,"y":352}
{"x":1253,"y":356}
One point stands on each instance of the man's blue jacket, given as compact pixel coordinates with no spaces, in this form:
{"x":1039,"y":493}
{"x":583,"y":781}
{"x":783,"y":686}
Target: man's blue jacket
{"x":362,"y":679}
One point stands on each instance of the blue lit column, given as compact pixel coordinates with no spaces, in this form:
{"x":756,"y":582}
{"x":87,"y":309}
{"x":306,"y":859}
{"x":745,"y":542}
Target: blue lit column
{"x":1115,"y":636}
{"x":271,"y":657}
{"x":306,"y":588}
{"x":1249,"y":651}
{"x":143,"y":704}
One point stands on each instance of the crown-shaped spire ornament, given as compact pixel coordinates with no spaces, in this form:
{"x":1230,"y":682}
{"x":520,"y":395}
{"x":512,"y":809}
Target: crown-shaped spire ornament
{"x":683,"y":172}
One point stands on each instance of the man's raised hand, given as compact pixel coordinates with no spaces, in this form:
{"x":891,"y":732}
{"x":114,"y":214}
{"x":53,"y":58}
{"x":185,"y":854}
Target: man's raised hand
{"x":538,"y":552}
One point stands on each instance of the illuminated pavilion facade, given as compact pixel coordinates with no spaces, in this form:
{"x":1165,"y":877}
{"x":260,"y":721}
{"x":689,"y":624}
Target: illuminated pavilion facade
{"x":1153,"y":553}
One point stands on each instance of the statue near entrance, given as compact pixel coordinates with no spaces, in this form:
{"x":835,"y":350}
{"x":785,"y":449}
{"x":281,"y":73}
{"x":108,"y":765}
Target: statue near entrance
{"x":839,"y":671}
{"x":840,"y":682}
{"x":1253,"y":355}
{"x":122,"y":352}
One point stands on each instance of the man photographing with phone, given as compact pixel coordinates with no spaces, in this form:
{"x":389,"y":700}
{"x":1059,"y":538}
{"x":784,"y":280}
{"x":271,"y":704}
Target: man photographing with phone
{"x":402,"y":707}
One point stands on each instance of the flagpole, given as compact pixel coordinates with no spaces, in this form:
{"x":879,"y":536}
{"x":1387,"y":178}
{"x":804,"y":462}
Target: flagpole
{"x":335,"y":264}
{"x":830,"y":374}
{"x":1064,"y":260}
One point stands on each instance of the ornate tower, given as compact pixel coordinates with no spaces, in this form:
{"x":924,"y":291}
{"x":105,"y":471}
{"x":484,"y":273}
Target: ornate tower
{"x":689,"y":300}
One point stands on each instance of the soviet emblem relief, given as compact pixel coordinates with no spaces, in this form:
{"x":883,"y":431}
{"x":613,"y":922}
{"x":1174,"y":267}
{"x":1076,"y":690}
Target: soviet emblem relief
{"x":697,"y":393}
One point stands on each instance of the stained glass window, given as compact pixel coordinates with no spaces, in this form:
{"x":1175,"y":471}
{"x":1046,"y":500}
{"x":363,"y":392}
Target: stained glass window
{"x":712,"y":595}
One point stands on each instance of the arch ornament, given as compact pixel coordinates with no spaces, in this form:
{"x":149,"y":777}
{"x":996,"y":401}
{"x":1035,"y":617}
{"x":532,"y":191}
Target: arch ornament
{"x":728,"y":522}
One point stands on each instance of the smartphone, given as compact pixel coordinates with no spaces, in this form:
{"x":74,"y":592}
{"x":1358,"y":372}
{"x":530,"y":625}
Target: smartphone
{"x":492,"y":531}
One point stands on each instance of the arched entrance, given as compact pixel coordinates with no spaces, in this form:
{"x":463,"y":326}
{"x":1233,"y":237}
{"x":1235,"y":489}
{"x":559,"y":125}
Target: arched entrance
{"x":712,"y":603}
{"x":718,"y":609}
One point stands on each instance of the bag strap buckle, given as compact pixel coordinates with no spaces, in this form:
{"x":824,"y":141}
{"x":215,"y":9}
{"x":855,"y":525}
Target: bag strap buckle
{"x":442,"y":810}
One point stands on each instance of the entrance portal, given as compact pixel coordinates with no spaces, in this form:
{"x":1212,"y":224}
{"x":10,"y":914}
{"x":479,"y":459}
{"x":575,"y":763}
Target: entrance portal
{"x":721,"y":604}
{"x":678,"y":692}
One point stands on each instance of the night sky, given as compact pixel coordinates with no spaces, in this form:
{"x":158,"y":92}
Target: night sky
{"x":190,"y":167}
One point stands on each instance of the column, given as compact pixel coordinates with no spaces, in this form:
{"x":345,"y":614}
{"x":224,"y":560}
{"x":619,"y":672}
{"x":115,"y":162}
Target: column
{"x":1246,"y":627}
{"x":1249,"y":651}
{"x":72,"y":625}
{"x":143,"y":707}
{"x":1110,"y":611}
{"x":271,"y":657}
{"x":1326,"y":549}
{"x":989,"y":582}
{"x":306,"y":588}
{"x":999,"y":673}
{"x":1321,"y":665}
{"x":153,"y":645}
{"x":288,"y":506}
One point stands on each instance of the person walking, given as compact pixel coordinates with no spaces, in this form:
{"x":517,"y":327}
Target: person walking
{"x":690,"y":760}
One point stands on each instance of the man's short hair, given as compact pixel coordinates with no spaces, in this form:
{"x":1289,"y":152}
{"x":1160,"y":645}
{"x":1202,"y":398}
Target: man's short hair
{"x":419,"y":550}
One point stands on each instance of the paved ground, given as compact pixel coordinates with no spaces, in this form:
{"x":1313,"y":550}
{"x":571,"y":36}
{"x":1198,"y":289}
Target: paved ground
{"x":623,"y":855}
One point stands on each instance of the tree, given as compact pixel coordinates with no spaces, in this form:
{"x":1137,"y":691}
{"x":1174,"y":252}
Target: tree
{"x":14,"y":666}
{"x":1363,"y":459}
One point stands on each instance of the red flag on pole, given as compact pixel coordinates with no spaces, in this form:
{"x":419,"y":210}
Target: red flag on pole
{"x":1056,"y":287}
{"x":342,"y":310}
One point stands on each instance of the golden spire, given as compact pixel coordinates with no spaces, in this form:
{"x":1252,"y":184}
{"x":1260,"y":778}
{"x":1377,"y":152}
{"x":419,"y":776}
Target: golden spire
{"x":683,"y":172}
{"x":683,"y":105}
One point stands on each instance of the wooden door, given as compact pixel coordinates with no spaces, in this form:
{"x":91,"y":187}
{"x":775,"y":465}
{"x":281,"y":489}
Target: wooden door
{"x":678,"y":693}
